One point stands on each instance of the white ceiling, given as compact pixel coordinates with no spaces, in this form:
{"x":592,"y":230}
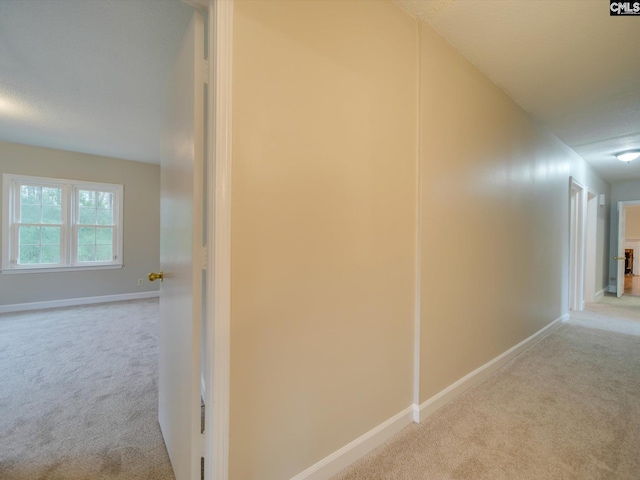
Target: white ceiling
{"x":567,"y":62}
{"x":88,"y":75}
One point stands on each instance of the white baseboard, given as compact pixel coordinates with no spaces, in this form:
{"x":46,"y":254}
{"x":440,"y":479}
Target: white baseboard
{"x":69,"y":302}
{"x":445,"y":396}
{"x":341,"y":459}
{"x":416,"y":413}
{"x":599,"y":295}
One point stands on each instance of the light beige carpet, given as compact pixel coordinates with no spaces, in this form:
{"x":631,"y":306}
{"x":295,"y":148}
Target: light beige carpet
{"x":568,"y":408}
{"x":78,"y":394}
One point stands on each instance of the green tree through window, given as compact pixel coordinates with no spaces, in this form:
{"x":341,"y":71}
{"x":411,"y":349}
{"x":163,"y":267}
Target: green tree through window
{"x":95,"y":226}
{"x":57,"y":223}
{"x":40,"y":225}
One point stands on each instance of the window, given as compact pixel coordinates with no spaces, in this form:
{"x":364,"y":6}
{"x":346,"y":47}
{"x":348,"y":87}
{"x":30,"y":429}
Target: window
{"x":53,"y":224}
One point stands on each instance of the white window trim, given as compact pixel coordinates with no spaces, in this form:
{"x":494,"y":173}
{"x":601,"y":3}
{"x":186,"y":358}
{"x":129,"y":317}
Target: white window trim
{"x":69,"y":226}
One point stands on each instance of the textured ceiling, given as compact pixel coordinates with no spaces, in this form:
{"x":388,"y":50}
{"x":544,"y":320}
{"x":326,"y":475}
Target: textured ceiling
{"x":567,"y":62}
{"x":87,"y":75}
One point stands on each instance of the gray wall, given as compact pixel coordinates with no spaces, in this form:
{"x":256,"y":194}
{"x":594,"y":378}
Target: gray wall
{"x":141,"y":224}
{"x":620,"y":192}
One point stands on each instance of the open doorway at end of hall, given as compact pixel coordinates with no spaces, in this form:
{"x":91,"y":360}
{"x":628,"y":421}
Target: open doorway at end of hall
{"x":632,"y":249}
{"x":584,"y":204}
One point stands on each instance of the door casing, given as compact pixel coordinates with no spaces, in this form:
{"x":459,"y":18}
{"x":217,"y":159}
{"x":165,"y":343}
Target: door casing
{"x":577,"y":243}
{"x":217,"y":319}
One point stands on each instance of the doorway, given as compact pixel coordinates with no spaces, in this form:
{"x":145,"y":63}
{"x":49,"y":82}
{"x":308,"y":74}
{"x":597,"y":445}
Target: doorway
{"x":577,"y":243}
{"x":628,"y":244}
{"x":583,"y":239}
{"x":591,"y":236}
{"x":197,"y":372}
{"x":628,"y":261}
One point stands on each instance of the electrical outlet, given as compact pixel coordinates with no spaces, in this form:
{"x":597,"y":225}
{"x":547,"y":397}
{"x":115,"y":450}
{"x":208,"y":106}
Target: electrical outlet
{"x":140,"y":281}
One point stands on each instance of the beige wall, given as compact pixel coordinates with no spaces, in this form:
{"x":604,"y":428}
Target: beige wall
{"x":494,"y":219}
{"x":632,"y":223}
{"x":323,"y":228}
{"x":324,"y":225}
{"x":141,"y":224}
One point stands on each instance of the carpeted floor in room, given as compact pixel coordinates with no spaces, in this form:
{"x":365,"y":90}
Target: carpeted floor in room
{"x":567,"y":408}
{"x":78,"y":394}
{"x":78,"y":400}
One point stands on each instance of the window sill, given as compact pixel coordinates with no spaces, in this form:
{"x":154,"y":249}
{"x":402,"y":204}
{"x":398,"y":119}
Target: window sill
{"x":13,"y":271}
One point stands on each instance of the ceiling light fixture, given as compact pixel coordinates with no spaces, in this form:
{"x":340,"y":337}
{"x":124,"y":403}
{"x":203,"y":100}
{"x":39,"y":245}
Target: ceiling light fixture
{"x":628,"y":156}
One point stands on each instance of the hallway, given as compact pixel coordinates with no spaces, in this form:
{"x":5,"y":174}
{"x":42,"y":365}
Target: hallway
{"x":566,"y":408}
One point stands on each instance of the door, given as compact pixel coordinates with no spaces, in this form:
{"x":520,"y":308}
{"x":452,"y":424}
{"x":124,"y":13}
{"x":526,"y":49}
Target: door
{"x":622,"y":219}
{"x":181,"y":252}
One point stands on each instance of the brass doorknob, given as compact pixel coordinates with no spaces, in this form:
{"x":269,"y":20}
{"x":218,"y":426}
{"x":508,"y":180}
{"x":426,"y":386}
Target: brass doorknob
{"x":619,"y":258}
{"x":155,"y":276}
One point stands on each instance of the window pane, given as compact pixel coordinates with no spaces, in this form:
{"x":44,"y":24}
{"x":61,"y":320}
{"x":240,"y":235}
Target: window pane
{"x":104,"y":253}
{"x":50,"y":254}
{"x":51,"y":196}
{"x":104,"y":200}
{"x":30,"y":213}
{"x":29,"y":254}
{"x":50,"y":235}
{"x":29,"y":235}
{"x":87,"y":216}
{"x":62,"y":222}
{"x":86,"y":198}
{"x":86,"y":236}
{"x":104,"y":236}
{"x":30,"y":195}
{"x":86,"y":253}
{"x":105,"y":217}
{"x":51,"y":214}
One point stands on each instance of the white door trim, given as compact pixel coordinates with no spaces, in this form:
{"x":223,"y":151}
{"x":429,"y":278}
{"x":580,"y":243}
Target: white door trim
{"x":577,"y":244}
{"x":591,"y":240}
{"x":219,"y":245}
{"x":417,"y":339}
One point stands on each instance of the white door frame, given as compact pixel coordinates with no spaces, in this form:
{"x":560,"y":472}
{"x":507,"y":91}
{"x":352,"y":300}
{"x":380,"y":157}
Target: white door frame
{"x":218,"y":338}
{"x":591,"y":236}
{"x":218,"y":250}
{"x":577,"y":242}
